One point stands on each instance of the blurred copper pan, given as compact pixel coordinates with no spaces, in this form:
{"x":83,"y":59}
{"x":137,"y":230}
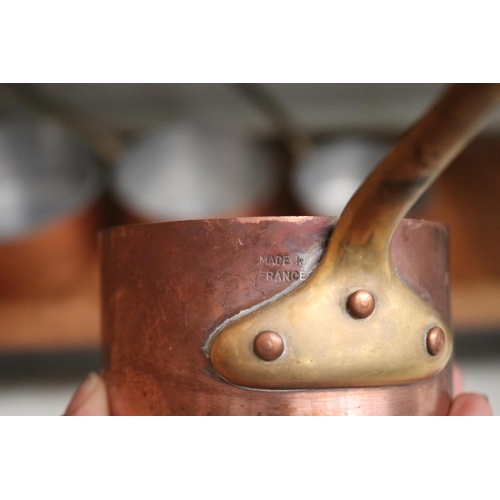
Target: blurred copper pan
{"x":51,"y":259}
{"x":50,"y":213}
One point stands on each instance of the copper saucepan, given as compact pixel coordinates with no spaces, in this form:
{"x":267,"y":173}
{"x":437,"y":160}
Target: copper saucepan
{"x":298,"y":316}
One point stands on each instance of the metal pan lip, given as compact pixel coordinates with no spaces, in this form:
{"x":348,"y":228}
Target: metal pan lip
{"x":411,"y":223}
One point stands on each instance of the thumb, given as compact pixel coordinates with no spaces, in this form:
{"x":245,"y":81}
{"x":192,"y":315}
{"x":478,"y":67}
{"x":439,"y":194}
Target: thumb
{"x":467,"y":404}
{"x":90,"y":399}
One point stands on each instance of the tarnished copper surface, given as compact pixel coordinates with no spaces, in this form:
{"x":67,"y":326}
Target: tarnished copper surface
{"x":166,"y":286}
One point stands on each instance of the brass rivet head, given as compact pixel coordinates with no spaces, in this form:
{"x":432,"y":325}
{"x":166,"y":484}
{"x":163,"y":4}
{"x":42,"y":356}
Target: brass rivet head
{"x":435,"y":341}
{"x":360,"y":304}
{"x":268,"y":346}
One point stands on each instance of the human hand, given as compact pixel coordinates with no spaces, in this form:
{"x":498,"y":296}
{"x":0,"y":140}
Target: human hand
{"x":91,"y":399}
{"x":467,"y":404}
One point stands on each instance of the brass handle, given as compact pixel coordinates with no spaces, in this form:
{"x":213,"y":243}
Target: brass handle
{"x":353,"y":323}
{"x":376,"y":209}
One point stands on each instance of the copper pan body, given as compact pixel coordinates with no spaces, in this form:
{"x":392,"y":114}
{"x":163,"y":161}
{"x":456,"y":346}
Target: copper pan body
{"x":166,"y":286}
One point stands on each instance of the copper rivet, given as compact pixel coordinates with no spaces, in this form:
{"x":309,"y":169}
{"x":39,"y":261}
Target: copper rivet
{"x":435,"y":340}
{"x":360,"y":304}
{"x":268,"y":346}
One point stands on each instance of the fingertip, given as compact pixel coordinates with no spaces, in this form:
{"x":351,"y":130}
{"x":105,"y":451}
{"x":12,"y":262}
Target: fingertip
{"x":468,"y":404}
{"x":458,"y":381}
{"x":90,"y":399}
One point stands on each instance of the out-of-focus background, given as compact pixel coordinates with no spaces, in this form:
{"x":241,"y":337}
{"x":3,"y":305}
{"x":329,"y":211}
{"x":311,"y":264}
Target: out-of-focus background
{"x":75,"y":158}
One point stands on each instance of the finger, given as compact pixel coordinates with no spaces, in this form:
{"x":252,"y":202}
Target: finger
{"x":468,"y":404}
{"x":458,"y":381}
{"x":90,"y":399}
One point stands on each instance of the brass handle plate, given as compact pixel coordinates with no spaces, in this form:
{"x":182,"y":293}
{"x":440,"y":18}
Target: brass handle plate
{"x":384,"y":334}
